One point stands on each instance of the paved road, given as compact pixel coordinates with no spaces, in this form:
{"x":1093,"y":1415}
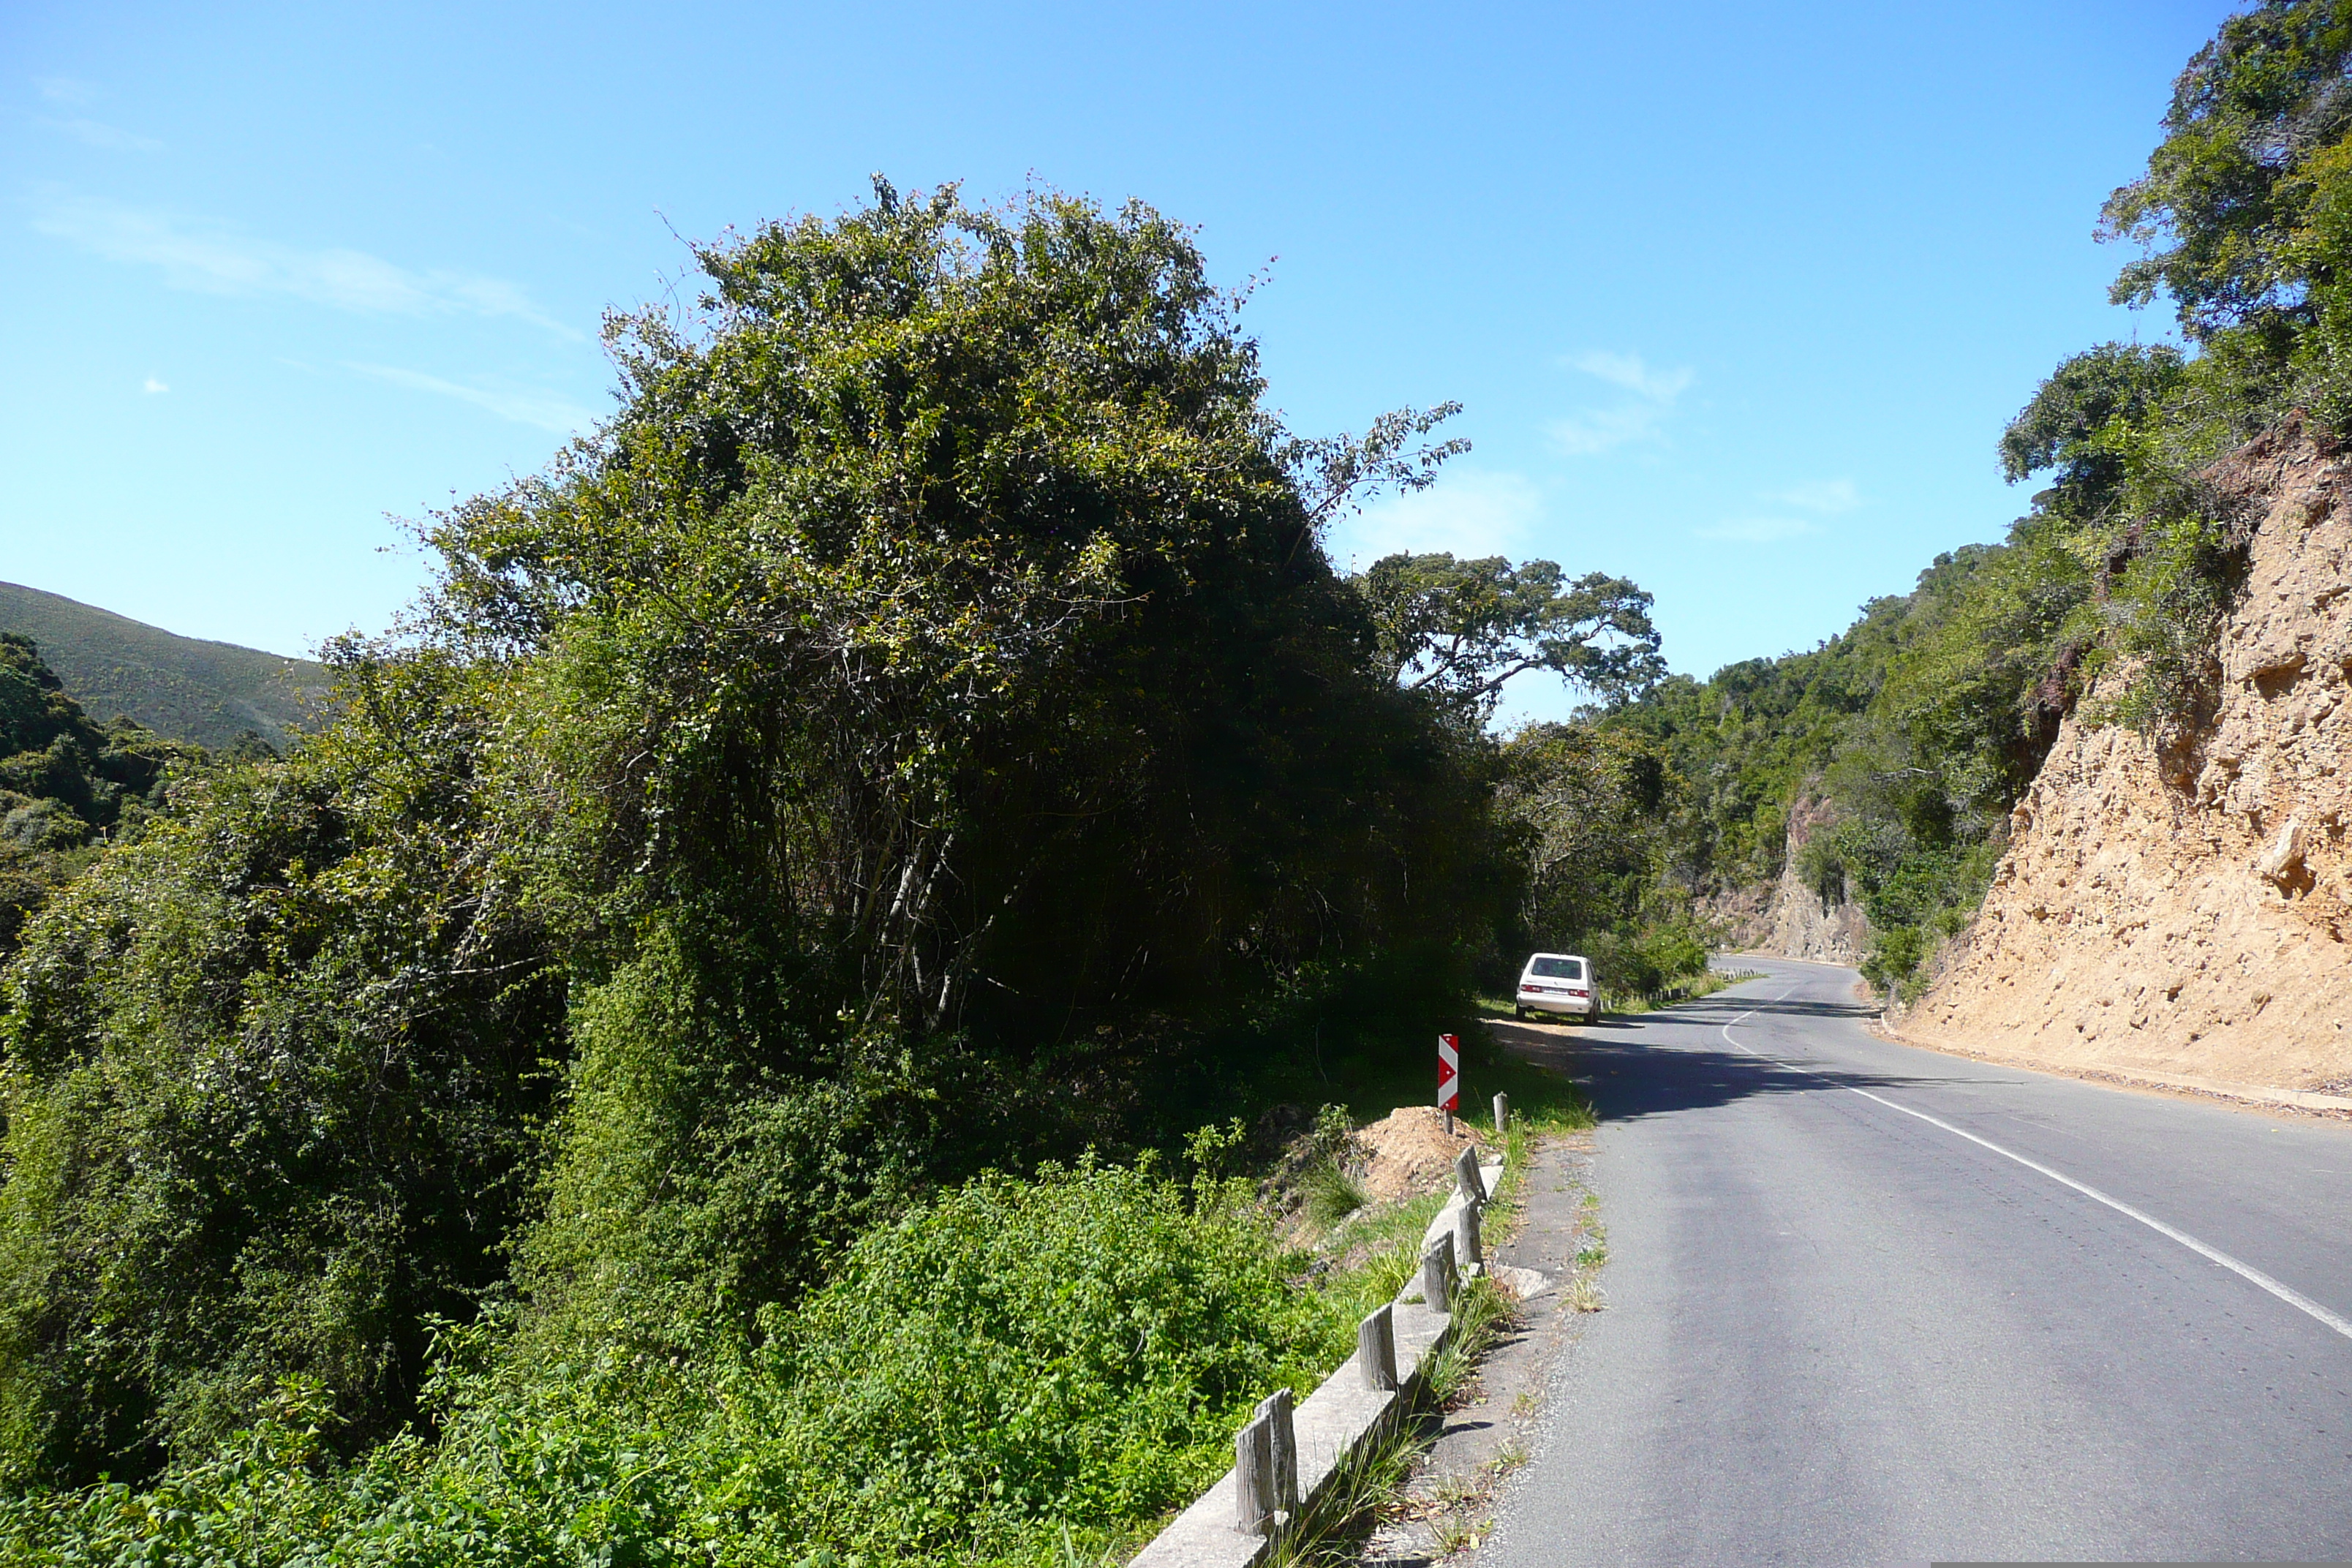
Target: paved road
{"x":1838,"y":1332}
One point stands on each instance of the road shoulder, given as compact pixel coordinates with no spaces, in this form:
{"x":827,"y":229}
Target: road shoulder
{"x":1487,"y":1434}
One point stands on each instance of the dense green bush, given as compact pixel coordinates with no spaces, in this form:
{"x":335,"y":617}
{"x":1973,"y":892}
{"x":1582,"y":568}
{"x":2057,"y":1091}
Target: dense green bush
{"x":920,"y":731}
{"x":1014,"y":1366}
{"x":270,"y":1072}
{"x":66,"y":784}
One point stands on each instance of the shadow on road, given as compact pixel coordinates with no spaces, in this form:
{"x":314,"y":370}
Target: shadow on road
{"x":1722,"y":1009}
{"x":1628,"y":1079}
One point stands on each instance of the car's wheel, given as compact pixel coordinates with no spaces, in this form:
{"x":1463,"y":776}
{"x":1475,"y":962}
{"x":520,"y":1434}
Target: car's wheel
{"x":1520,"y":1014}
{"x":1593,"y":1016}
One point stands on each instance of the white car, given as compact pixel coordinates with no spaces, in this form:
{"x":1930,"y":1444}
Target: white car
{"x":1559,"y":982}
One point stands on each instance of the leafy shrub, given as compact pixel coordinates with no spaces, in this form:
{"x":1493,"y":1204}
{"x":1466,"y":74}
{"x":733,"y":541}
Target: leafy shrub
{"x":1079,"y":1347}
{"x":1019,"y":1357}
{"x":271,"y":1076}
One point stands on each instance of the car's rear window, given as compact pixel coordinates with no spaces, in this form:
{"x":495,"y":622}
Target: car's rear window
{"x":1558,"y":968}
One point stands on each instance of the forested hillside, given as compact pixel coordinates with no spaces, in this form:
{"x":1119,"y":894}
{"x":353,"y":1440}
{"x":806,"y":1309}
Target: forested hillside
{"x":1914,"y":731}
{"x":211,"y":693}
{"x":1921,"y":726}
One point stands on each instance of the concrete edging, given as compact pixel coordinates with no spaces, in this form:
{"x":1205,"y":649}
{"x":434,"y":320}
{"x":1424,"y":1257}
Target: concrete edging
{"x":1332,"y":1423}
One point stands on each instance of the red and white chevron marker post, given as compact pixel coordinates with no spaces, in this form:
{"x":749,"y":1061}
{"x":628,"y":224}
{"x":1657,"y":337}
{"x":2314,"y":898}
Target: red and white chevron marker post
{"x":1449,"y":1077}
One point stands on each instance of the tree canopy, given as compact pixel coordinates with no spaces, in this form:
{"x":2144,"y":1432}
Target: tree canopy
{"x":1460,"y":630}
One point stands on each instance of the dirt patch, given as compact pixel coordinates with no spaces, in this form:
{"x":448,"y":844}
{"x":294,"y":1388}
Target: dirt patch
{"x":1408,"y":1151}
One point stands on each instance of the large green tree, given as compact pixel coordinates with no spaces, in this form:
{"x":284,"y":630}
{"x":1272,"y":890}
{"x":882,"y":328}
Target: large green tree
{"x":920,"y":729}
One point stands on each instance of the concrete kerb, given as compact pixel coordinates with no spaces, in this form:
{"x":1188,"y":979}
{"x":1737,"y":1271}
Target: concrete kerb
{"x":1329,"y":1426}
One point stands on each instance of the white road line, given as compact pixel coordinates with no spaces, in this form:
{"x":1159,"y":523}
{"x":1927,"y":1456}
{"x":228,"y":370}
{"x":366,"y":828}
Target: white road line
{"x":2287,"y":1293}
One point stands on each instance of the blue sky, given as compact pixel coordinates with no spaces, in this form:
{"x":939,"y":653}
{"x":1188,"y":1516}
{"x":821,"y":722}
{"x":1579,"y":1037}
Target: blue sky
{"x":1738,"y":297}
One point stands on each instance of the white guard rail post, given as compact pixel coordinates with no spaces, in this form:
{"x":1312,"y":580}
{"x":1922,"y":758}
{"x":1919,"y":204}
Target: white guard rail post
{"x":1286,"y":1457}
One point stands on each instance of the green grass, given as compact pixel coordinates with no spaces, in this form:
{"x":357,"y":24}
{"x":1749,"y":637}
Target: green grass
{"x":1331,"y":1195}
{"x":1328,"y":1537}
{"x":1376,"y":1251}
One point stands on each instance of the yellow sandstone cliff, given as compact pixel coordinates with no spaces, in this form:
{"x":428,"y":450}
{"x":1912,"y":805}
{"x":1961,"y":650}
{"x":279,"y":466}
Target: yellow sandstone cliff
{"x":2184,"y":912}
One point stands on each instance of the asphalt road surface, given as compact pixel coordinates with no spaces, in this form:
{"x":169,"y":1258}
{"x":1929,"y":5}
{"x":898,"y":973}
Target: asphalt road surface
{"x":1838,"y":1331}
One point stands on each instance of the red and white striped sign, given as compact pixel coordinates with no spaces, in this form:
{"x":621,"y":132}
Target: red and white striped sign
{"x":1449,"y":1072}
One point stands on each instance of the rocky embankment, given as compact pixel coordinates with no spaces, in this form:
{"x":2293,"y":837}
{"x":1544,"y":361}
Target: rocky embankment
{"x":1802,"y":925}
{"x":1788,"y":918}
{"x":2181,"y":909}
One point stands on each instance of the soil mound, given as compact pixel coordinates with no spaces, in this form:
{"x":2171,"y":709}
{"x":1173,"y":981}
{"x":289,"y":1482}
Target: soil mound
{"x":1407,"y":1152}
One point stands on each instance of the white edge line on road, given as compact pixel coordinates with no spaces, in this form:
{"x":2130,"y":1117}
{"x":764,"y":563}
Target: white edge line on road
{"x":2287,"y":1293}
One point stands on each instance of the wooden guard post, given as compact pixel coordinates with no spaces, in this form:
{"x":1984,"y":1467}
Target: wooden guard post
{"x":1266,"y":1466}
{"x":1376,"y":1350}
{"x":1468,"y":1177}
{"x":1437,"y":1274}
{"x":1254,"y":1477}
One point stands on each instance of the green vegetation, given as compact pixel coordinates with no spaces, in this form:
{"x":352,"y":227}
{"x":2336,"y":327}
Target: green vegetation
{"x":1013,"y":1367}
{"x":1917,"y":729}
{"x":687,"y":1065}
{"x":674,"y":1071}
{"x":213,"y":694}
{"x":1591,"y":811}
{"x":66,"y":786}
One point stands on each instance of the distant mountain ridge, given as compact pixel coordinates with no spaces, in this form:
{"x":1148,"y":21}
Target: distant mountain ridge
{"x":184,"y":688}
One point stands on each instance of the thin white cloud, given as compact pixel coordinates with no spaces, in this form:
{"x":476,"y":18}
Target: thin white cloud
{"x":113,"y":138}
{"x":1827,"y":497}
{"x":1467,"y":514}
{"x":153,"y":387}
{"x":65,"y":89}
{"x":1760,"y":530}
{"x":1598,"y":430}
{"x":1641,"y":417}
{"x":547,"y":410}
{"x":1633,"y":373}
{"x":216,"y":258}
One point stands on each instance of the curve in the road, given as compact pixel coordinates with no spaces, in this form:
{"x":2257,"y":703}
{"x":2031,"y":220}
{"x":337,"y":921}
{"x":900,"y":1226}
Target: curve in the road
{"x":1937,"y":1316}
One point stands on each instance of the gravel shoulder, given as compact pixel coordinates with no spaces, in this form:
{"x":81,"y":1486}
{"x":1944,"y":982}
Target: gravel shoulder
{"x":1484,"y":1438}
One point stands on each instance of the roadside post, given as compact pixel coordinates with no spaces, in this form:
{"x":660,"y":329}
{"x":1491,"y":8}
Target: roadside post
{"x":1502,"y":1113}
{"x":1254,"y":1477}
{"x":1376,"y":1349}
{"x":1467,"y":1179}
{"x":1449,"y":1077}
{"x":1437,"y":1274}
{"x":1469,"y":1238}
{"x":1276,"y":1411}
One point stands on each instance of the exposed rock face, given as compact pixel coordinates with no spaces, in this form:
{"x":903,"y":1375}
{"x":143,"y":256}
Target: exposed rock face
{"x":1742,"y":917}
{"x":2185,"y":910}
{"x":1798,"y":923}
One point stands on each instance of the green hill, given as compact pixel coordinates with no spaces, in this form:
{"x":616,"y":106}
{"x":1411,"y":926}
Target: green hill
{"x":189,"y":689}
